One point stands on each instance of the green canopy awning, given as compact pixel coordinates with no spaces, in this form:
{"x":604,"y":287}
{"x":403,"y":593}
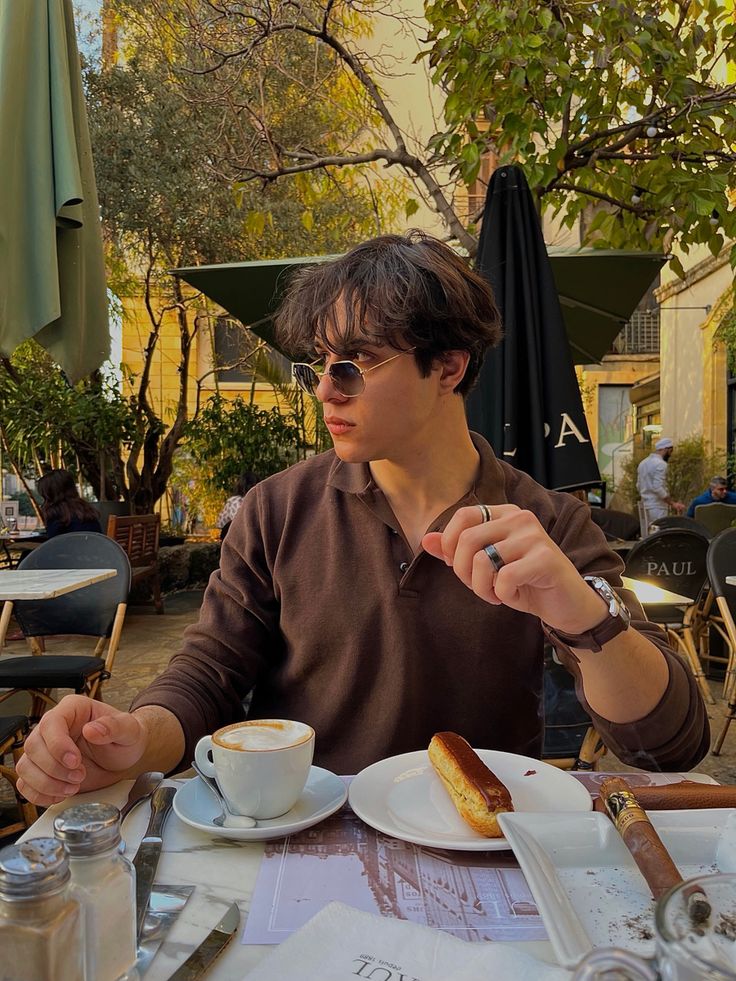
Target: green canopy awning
{"x":52,"y":272}
{"x":599,"y":290}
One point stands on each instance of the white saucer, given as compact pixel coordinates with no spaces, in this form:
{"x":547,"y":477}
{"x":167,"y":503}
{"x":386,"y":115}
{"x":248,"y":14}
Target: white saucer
{"x":403,"y":797}
{"x":323,"y":794}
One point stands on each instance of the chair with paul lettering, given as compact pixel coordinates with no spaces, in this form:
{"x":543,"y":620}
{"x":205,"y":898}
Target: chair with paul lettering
{"x":675,"y":560}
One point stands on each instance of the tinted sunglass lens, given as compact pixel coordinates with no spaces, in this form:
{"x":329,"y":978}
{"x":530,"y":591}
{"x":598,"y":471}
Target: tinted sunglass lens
{"x":347,"y":378}
{"x":306,"y":377}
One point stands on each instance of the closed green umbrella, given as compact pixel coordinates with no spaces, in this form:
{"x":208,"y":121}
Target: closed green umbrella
{"x":52,"y":273}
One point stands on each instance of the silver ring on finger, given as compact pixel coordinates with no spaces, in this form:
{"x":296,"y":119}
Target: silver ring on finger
{"x":495,"y":557}
{"x":485,"y":512}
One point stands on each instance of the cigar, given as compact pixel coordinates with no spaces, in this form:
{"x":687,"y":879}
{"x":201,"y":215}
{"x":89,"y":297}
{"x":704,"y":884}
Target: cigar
{"x":681,"y":796}
{"x":647,"y":848}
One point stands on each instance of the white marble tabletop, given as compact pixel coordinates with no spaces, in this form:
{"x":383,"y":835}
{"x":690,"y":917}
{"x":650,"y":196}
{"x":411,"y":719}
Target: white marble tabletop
{"x":222,"y":870}
{"x":39,"y":584}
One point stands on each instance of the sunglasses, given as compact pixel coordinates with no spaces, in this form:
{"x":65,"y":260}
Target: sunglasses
{"x":347,"y":377}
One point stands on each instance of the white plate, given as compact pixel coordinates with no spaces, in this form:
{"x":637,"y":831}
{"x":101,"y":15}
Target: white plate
{"x":323,"y":794}
{"x":403,"y":797}
{"x":587,"y":887}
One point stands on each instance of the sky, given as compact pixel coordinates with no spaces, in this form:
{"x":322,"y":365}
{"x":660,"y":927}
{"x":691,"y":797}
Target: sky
{"x":86,"y":11}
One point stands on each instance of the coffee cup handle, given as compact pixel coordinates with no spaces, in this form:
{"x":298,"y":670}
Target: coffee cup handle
{"x":600,"y":962}
{"x":202,"y":756}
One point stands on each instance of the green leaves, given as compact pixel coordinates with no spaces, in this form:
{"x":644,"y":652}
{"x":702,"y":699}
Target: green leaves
{"x":46,"y":421}
{"x":569,"y":84}
{"x":231,"y":435}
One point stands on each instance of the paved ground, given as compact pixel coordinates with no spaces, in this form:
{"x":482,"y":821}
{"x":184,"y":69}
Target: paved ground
{"x":149,"y":640}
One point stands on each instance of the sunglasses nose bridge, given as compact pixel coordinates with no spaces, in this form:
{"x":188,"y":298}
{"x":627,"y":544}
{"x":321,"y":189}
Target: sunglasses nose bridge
{"x":328,"y":386}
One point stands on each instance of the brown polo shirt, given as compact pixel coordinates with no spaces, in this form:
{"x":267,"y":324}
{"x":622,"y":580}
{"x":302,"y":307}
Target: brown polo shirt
{"x":320,"y":607}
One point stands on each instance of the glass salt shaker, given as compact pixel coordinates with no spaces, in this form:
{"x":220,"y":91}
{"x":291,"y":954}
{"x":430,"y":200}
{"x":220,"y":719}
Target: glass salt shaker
{"x":41,"y":926}
{"x":103,"y":882}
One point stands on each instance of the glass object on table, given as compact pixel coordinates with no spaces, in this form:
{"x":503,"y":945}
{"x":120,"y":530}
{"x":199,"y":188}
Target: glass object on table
{"x":41,"y":929}
{"x":103,"y":883}
{"x":686,"y":950}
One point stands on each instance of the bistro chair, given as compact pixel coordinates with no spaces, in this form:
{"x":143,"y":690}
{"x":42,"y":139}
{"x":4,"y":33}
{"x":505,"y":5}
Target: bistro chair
{"x":722,"y":563}
{"x":674,"y":559}
{"x":707,"y":617}
{"x":716,"y":516}
{"x":616,"y":525}
{"x":13,"y":731}
{"x":643,"y":519}
{"x":570,"y":740}
{"x":681,"y":521}
{"x":138,"y":535}
{"x":96,"y":611}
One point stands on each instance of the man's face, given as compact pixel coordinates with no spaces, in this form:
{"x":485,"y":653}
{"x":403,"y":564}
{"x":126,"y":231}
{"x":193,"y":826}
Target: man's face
{"x":667,"y":453}
{"x":392,"y":418}
{"x":718,"y":492}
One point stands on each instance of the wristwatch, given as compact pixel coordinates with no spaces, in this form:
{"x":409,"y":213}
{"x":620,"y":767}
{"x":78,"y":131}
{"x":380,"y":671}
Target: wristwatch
{"x":615,"y":623}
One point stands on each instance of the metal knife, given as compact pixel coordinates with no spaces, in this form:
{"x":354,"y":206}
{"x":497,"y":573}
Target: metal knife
{"x":164,"y":907}
{"x":212,"y":945}
{"x":149,"y":851}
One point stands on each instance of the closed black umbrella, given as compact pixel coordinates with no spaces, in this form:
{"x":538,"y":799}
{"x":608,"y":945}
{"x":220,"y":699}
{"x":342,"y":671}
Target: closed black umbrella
{"x":527,"y":400}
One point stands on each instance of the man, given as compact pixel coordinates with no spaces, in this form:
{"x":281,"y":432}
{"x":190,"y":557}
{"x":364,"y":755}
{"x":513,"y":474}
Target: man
{"x":400,"y":584}
{"x":716,"y":492}
{"x":651,"y":482}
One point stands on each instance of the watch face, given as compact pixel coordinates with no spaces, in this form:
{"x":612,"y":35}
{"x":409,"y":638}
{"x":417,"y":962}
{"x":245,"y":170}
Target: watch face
{"x":605,"y":590}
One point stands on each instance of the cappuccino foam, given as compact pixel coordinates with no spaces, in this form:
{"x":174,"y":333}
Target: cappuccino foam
{"x":263,"y":735}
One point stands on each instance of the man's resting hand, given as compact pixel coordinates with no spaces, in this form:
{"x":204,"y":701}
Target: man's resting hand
{"x":79,"y":745}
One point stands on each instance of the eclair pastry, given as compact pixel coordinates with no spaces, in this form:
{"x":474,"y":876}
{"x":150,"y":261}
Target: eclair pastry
{"x":477,"y":793}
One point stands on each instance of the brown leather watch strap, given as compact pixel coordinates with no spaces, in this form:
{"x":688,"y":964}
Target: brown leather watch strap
{"x":591,"y":640}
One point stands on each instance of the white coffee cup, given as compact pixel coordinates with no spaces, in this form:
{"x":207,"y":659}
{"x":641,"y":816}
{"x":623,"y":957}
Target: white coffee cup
{"x":260,"y":765}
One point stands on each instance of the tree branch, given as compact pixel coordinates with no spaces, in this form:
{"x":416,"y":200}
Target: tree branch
{"x":634,"y":209}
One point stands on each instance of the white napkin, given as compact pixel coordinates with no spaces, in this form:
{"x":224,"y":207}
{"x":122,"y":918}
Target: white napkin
{"x":341,"y":943}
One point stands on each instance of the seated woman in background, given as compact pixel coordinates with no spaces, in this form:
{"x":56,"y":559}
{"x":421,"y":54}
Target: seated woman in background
{"x":62,"y":508}
{"x":245,"y":481}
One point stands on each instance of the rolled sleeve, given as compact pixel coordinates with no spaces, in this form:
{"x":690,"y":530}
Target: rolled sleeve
{"x":675,"y":735}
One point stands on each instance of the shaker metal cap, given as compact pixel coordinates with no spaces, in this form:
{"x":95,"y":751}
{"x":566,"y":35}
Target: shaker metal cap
{"x":33,"y":867}
{"x":87,"y":829}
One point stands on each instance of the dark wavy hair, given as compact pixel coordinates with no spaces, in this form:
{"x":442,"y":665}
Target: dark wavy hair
{"x":402,"y":290}
{"x":245,"y":481}
{"x":61,"y":500}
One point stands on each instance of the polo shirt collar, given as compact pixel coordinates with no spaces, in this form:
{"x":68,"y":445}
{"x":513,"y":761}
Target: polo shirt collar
{"x":356,"y":478}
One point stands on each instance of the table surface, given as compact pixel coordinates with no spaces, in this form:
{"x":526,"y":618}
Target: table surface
{"x":38,"y":584}
{"x":223,"y":870}
{"x":650,"y":594}
{"x":731,"y":580}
